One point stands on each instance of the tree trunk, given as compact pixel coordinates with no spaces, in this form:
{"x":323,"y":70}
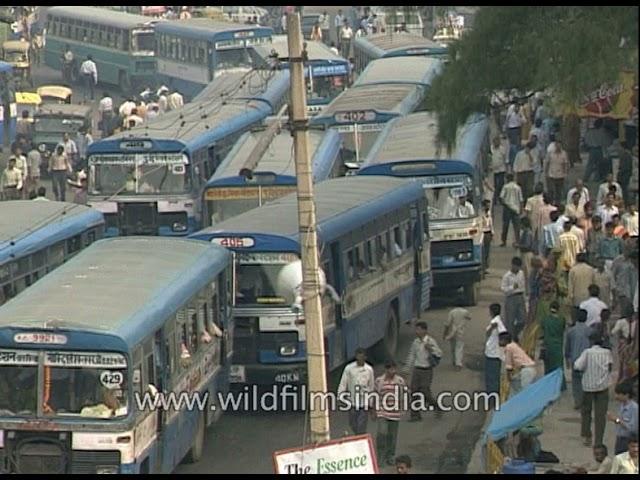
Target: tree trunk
{"x":570,"y":134}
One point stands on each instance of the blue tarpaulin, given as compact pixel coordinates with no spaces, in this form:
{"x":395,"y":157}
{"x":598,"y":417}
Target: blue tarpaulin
{"x":521,"y":409}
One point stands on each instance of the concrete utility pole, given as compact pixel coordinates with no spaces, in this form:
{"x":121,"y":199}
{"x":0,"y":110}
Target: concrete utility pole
{"x":308,"y":239}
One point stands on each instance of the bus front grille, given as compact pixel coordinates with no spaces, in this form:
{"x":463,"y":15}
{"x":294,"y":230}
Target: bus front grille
{"x":138,"y":219}
{"x":450,"y":248}
{"x":245,"y":340}
{"x":39,"y":456}
{"x":88,"y":462}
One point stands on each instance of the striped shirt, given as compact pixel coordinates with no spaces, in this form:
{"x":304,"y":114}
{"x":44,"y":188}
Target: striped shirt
{"x":390,"y":392}
{"x":595,"y":363}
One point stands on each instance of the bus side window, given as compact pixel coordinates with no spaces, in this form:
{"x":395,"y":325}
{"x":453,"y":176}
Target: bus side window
{"x":397,"y":242}
{"x":409,"y":234}
{"x":381,"y":251}
{"x":371,"y":260}
{"x":192,"y":327}
{"x":351,"y":269}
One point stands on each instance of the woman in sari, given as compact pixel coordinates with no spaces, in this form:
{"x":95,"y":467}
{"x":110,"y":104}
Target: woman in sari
{"x":548,"y":288}
{"x":553,"y":326}
{"x":626,"y":331}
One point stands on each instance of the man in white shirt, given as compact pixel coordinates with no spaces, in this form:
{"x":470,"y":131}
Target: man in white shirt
{"x":70,"y":148}
{"x":603,"y":189}
{"x":492,"y":352}
{"x":582,"y":190}
{"x":89,"y":72}
{"x":487,"y":233}
{"x":465,"y":209}
{"x":513,"y":123}
{"x":105,"y":108}
{"x":454,"y":333}
{"x":346,"y":34}
{"x":338,"y":21}
{"x":127,"y":106}
{"x":595,"y":363}
{"x":132,"y":120}
{"x":593,"y":306}
{"x":511,"y":198}
{"x":608,"y":210}
{"x":499,"y":151}
{"x":513,"y":284}
{"x":175,"y":101}
{"x":627,"y":462}
{"x":356,"y":383}
{"x":523,"y":168}
{"x":325,"y":26}
{"x":630,"y":220}
{"x":424,"y":355}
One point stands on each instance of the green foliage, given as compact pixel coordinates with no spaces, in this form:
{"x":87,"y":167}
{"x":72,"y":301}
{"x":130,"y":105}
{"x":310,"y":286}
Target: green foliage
{"x":566,"y":50}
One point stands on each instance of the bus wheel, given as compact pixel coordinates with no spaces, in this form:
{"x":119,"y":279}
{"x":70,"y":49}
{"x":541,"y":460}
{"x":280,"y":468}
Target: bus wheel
{"x":470,"y":293}
{"x":195,"y":454}
{"x":386,"y":348}
{"x":123,"y":81}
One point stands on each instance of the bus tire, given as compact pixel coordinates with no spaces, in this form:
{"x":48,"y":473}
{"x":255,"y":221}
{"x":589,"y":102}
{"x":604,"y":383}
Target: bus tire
{"x":197,"y":448}
{"x":470,"y":293}
{"x":386,"y":348}
{"x":124,"y":82}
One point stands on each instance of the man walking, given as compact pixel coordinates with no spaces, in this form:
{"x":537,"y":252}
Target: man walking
{"x":511,"y":198}
{"x":346,"y":34}
{"x":581,"y":190}
{"x":487,"y":233}
{"x":11,"y":181}
{"x":423,"y":356}
{"x":521,"y":369}
{"x":89,"y":72}
{"x":499,"y":163}
{"x":105,"y":108}
{"x":325,"y":26}
{"x":523,"y":168}
{"x":338,"y":21}
{"x":581,"y":276}
{"x":59,"y":167}
{"x":593,"y":306}
{"x":454,"y":333}
{"x":596,"y":364}
{"x":513,"y":288}
{"x":390,"y":388}
{"x":576,"y":342}
{"x":493,"y":354}
{"x":356,"y":383}
{"x":556,"y":170}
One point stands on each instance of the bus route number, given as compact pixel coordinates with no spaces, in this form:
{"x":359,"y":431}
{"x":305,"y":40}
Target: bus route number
{"x":356,"y":116}
{"x":111,"y":380}
{"x":234,"y":242}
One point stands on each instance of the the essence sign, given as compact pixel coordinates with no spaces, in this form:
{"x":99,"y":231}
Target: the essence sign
{"x":351,"y":455}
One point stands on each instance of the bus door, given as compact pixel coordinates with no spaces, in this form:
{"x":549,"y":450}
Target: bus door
{"x":422,"y":267}
{"x":337,"y":278}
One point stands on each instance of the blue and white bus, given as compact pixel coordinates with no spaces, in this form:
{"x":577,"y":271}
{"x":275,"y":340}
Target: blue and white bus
{"x":81,"y":351}
{"x":191,"y":53}
{"x":36,"y":237}
{"x":408,"y":147}
{"x":7,"y":95}
{"x":388,"y":88}
{"x":149,"y":180}
{"x":261,"y":168}
{"x":374,"y":251}
{"x":386,"y":45}
{"x":326,"y":73}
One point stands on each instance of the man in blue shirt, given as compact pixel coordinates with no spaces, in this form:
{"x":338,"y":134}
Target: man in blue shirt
{"x":627,"y":418}
{"x":576,"y":342}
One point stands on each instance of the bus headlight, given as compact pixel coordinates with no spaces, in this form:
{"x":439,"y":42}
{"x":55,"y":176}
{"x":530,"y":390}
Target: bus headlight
{"x":178,"y":227}
{"x":465,"y":256}
{"x":288,"y":350}
{"x":107,"y":470}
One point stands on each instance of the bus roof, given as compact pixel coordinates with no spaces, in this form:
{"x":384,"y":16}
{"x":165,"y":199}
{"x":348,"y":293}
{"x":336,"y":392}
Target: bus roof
{"x":392,"y":44}
{"x":27,"y":226}
{"x":207,"y":29}
{"x":342,"y":204}
{"x":155,"y":275}
{"x":64,"y":109}
{"x":397,"y":142}
{"x":399,"y":70}
{"x":97,"y":15}
{"x":386,"y":100}
{"x":316,"y":51}
{"x":278,"y":158}
{"x":200,"y":123}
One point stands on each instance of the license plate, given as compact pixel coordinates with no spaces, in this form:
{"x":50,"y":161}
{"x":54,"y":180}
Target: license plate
{"x":290,"y":377}
{"x":237,"y":374}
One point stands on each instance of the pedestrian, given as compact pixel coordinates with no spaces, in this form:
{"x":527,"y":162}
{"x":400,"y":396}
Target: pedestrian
{"x":185,"y":14}
{"x":618,"y":229}
{"x":89,"y":72}
{"x":513,"y":128}
{"x":624,"y":334}
{"x":316,"y":33}
{"x":626,"y":420}
{"x":537,"y":213}
{"x":605,"y":188}
{"x":83,"y":140}
{"x":520,"y":368}
{"x":581,"y":277}
{"x":597,"y":140}
{"x":593,"y":306}
{"x":493,"y":354}
{"x":624,"y":275}
{"x":41,"y":195}
{"x":59,"y":168}
{"x":390,"y":388}
{"x":346,"y":34}
{"x":603,"y":462}
{"x":403,"y":464}
{"x":338,"y":21}
{"x":34,"y":163}
{"x":556,"y":170}
{"x":625,"y":169}
{"x":594,"y":236}
{"x":513,"y":285}
{"x":454,"y":333}
{"x":499,"y":151}
{"x":283,"y":23}
{"x":609,"y":247}
{"x":574,"y":208}
{"x":142,"y":109}
{"x":553,"y":326}
{"x":175,"y":101}
{"x":523,"y":169}
{"x":526,"y":246}
{"x":511,"y":198}
{"x":537,"y":136}
{"x":487,"y":233}
{"x":325,"y":26}
{"x":582,"y":190}
{"x":627,"y":462}
{"x":550,"y":233}
{"x":127,"y":106}
{"x":105,"y":109}
{"x":153,"y":112}
{"x":11,"y":181}
{"x":132,"y":120}
{"x":630,"y":220}
{"x":569,"y":246}
{"x":596,"y":364}
{"x":356,"y":384}
{"x":576,"y":342}
{"x":67,"y":59}
{"x":22,"y":166}
{"x":424,"y":355}
{"x":534,"y":282}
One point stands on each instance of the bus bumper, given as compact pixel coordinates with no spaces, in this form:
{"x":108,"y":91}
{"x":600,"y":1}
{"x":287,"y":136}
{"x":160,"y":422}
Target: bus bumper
{"x":267,"y":375}
{"x":456,"y":277}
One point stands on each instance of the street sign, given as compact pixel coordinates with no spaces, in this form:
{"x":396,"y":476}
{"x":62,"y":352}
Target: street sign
{"x":356,"y":116}
{"x":349,"y":455}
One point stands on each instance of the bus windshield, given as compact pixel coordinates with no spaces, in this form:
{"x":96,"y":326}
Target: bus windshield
{"x":18,"y":385}
{"x":143,"y":41}
{"x":225,"y":209}
{"x":326,"y":88}
{"x":262,"y":279}
{"x":233,"y":58}
{"x":224,"y":203}
{"x":58,"y":124}
{"x":450,"y":197}
{"x":155,"y":173}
